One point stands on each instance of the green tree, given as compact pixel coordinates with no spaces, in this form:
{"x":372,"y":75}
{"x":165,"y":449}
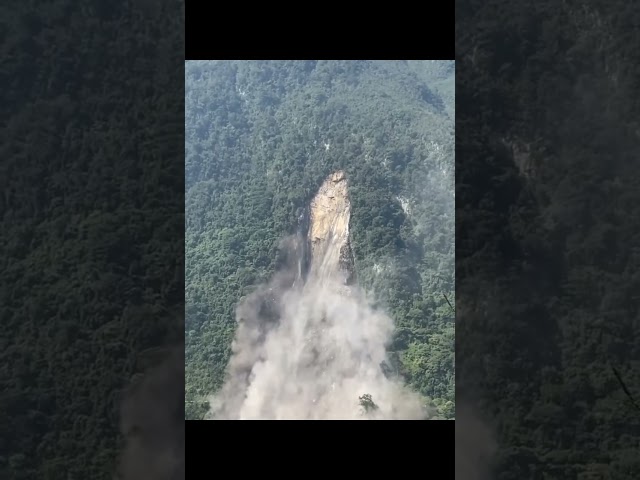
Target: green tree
{"x":367,"y":403}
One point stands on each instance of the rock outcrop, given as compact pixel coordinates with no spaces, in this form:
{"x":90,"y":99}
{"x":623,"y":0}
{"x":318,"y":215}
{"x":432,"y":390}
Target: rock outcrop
{"x":331,"y":258}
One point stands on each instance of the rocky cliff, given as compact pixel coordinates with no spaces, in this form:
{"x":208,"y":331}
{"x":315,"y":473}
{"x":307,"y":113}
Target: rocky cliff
{"x":328,"y":234}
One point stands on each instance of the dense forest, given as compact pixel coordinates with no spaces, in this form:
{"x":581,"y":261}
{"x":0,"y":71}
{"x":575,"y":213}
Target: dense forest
{"x":91,"y":229}
{"x":547,"y":253}
{"x":261,"y":136}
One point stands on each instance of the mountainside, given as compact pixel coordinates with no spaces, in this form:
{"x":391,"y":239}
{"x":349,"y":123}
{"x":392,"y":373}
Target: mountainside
{"x":547,"y":235}
{"x":91,"y":225}
{"x":262,"y":137}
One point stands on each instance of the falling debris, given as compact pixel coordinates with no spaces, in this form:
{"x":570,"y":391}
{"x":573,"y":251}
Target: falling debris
{"x":320,"y":344}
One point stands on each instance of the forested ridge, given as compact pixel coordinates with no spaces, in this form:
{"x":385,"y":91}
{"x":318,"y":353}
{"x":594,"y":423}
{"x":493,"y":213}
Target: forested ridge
{"x":547,"y":235}
{"x":261,"y":136}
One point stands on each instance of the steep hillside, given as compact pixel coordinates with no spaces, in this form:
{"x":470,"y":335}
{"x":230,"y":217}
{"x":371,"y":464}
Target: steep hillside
{"x":547,"y":234}
{"x":262,"y":137}
{"x":91,"y":222}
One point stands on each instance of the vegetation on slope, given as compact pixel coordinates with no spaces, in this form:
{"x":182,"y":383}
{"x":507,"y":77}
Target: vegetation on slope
{"x":548,"y":263}
{"x":91,"y":225}
{"x":260,"y":139}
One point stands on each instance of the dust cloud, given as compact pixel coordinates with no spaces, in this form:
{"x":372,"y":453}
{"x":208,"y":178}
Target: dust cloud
{"x":152,"y":423}
{"x":309,"y":345}
{"x":309,"y":349}
{"x":475,"y":444}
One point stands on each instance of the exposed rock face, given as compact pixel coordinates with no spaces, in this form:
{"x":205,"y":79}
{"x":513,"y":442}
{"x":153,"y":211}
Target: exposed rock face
{"x":330,"y":211}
